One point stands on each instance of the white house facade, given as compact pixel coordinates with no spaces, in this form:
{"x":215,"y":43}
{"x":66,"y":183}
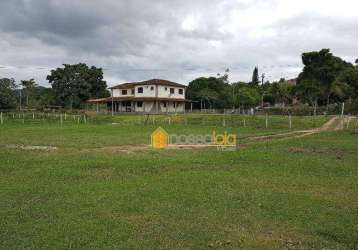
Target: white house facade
{"x":151,"y":96}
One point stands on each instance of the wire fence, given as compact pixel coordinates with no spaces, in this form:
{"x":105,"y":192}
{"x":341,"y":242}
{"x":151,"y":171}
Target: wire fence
{"x":212,"y":120}
{"x":264,"y":122}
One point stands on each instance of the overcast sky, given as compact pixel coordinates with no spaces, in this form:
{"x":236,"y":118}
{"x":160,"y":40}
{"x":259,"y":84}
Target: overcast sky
{"x":177,"y":40}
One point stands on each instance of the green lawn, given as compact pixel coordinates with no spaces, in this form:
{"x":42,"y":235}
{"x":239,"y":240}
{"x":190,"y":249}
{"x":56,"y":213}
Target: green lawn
{"x":295,"y":193}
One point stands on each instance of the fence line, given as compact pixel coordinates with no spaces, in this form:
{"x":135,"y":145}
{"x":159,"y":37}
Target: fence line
{"x":217,"y":120}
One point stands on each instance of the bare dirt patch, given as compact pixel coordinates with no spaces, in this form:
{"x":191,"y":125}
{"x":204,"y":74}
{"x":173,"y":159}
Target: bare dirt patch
{"x":355,"y":131}
{"x":30,"y":147}
{"x":338,"y":153}
{"x":128,"y":149}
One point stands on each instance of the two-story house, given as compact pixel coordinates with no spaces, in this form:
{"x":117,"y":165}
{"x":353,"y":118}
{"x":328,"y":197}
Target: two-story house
{"x":151,"y":96}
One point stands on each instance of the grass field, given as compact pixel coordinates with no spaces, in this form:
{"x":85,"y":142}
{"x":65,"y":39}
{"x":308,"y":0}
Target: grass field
{"x":271,"y":194}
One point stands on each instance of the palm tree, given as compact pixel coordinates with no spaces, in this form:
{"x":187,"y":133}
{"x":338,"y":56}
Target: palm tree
{"x":29,"y":86}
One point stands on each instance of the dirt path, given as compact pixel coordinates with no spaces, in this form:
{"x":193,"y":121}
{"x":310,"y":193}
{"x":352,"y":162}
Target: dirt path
{"x":333,"y":124}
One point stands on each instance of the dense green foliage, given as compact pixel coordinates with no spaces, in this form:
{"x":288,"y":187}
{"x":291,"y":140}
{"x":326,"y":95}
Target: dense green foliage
{"x":7,"y":93}
{"x":328,"y":73}
{"x":325,"y":79}
{"x":209,"y":92}
{"x":74,"y":84}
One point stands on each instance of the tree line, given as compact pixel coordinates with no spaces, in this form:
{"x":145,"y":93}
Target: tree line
{"x":71,"y":87}
{"x":325,"y":79}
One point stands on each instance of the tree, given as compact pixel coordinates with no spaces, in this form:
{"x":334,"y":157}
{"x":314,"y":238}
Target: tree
{"x":248,"y":96}
{"x":281,"y":91}
{"x":349,"y":79}
{"x":43,"y":97}
{"x":28,"y":86}
{"x":211,"y":92}
{"x":255,"y":77}
{"x":74,"y":84}
{"x":308,"y":91}
{"x":7,"y":93}
{"x":323,"y":69}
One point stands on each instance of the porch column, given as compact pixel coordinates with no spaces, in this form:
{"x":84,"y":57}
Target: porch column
{"x":156,"y":95}
{"x":112,"y":102}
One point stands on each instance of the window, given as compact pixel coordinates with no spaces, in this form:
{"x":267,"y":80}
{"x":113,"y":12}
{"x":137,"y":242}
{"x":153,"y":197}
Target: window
{"x":171,"y":90}
{"x":165,"y":88}
{"x":164,"y":104}
{"x":181,"y":91}
{"x":132,"y":91}
{"x":151,"y":88}
{"x":174,"y":104}
{"x":140,"y":90}
{"x":124,"y":92}
{"x":139,"y":104}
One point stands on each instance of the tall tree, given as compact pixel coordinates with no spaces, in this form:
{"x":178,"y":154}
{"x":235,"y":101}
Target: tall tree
{"x":210,"y":92}
{"x":248,"y":96}
{"x":323,"y":68}
{"x":74,"y":84}
{"x":7,"y":93}
{"x":28,"y":86}
{"x":349,"y":79}
{"x":255,"y":76}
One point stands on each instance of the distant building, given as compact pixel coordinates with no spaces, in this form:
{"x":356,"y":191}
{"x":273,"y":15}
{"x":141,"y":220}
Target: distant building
{"x":292,"y":82}
{"x":151,"y":96}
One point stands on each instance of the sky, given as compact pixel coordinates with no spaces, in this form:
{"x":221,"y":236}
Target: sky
{"x":178,"y":40}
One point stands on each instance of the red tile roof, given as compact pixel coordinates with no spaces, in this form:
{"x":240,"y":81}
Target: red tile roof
{"x":148,"y":82}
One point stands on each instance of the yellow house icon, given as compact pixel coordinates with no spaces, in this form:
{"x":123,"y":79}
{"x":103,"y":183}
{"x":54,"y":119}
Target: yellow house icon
{"x":160,"y":138}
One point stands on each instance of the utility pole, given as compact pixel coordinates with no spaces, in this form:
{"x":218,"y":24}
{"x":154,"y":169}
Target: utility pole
{"x":20,"y":97}
{"x":262,"y":78}
{"x":233,"y":97}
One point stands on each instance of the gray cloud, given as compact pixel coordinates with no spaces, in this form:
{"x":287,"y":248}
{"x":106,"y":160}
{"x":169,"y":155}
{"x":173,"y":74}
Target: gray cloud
{"x":177,"y":39}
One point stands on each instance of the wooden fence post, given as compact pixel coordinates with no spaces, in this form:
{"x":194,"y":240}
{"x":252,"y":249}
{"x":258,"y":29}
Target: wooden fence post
{"x":348,"y":123}
{"x":1,"y":118}
{"x":290,"y":121}
{"x":266,"y":122}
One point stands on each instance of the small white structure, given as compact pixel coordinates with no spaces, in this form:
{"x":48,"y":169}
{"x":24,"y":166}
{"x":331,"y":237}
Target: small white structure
{"x":151,"y":96}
